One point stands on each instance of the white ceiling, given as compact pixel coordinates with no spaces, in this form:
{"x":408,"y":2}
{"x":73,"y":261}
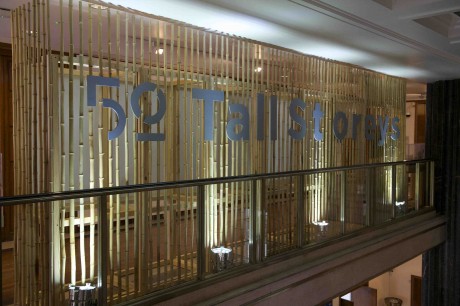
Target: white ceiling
{"x":414,"y":39}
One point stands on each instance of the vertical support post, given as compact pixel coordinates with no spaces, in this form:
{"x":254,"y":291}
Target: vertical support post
{"x":55,"y":251}
{"x":201,"y":220}
{"x":342,"y":200}
{"x":393,"y":190}
{"x":427,"y":183}
{"x":143,"y":281}
{"x":256,"y":218}
{"x":1,"y":232}
{"x":417,"y":186}
{"x":406,"y":184}
{"x":300,"y":210}
{"x":1,"y":256}
{"x":262,"y":219}
{"x":368,"y":197}
{"x":431,"y":163}
{"x":102,"y":251}
{"x":308,"y":208}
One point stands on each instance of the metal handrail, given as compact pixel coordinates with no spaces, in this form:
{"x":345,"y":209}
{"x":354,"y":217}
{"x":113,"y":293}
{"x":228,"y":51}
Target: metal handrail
{"x":97,"y":192}
{"x":257,"y":234}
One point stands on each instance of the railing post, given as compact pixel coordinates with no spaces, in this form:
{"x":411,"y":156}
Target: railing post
{"x":405,"y":176}
{"x":308,"y":209}
{"x":1,"y":231}
{"x":393,"y":190}
{"x":427,"y":183}
{"x":102,"y":251}
{"x":300,"y":211}
{"x":417,"y":186}
{"x":262,"y":219}
{"x":1,"y":255}
{"x":256,"y":222}
{"x":431,"y":163}
{"x":342,"y":200}
{"x":368,"y":197}
{"x":55,"y":252}
{"x":201,"y":220}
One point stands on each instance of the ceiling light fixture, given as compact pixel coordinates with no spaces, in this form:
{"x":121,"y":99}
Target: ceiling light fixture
{"x":98,"y":6}
{"x":5,"y":13}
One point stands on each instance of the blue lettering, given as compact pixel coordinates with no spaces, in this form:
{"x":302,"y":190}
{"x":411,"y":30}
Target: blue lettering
{"x":243,"y":122}
{"x":317,"y":115}
{"x":208,"y":96}
{"x":298,"y":135}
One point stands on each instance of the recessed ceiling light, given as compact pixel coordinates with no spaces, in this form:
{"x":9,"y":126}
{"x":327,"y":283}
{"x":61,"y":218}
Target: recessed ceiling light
{"x":5,"y":13}
{"x":98,"y":6}
{"x":258,"y":69}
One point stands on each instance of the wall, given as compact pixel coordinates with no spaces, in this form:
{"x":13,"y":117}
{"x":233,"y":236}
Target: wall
{"x":6,"y":136}
{"x":397,"y":282}
{"x":210,"y":105}
{"x":410,"y":122}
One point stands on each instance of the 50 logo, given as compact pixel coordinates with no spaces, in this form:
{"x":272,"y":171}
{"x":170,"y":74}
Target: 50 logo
{"x":94,"y":81}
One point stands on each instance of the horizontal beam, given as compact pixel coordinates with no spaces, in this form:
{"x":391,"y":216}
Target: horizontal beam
{"x":418,"y":11}
{"x":320,"y":273}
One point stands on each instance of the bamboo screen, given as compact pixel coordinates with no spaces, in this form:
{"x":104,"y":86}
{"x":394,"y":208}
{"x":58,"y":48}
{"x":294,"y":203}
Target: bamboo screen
{"x":61,"y":142}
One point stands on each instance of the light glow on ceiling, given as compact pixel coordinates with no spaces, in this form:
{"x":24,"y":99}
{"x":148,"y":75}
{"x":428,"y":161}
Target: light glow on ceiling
{"x":233,"y":23}
{"x":337,"y":52}
{"x":401,"y":71}
{"x":211,"y":16}
{"x":201,"y":15}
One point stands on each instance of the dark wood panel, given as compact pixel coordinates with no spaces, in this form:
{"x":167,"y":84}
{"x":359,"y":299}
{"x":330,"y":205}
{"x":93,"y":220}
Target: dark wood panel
{"x":6,"y":135}
{"x":416,"y":291}
{"x":420,"y":122}
{"x":5,"y":49}
{"x":346,"y":302}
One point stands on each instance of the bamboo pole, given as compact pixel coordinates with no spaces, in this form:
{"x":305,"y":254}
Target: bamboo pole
{"x":225,"y":74}
{"x":128,"y":157}
{"x":136,"y":160}
{"x":158,"y":164}
{"x":149,"y":208}
{"x":81,"y":174}
{"x":192,"y":156}
{"x":45,"y":279}
{"x":166,"y":195}
{"x":92,"y":141}
{"x":186,"y":160}
{"x":118,"y":181}
{"x":143,"y":169}
{"x":113,"y":170}
{"x":61,"y":146}
{"x":231,"y":147}
{"x":73,"y":257}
